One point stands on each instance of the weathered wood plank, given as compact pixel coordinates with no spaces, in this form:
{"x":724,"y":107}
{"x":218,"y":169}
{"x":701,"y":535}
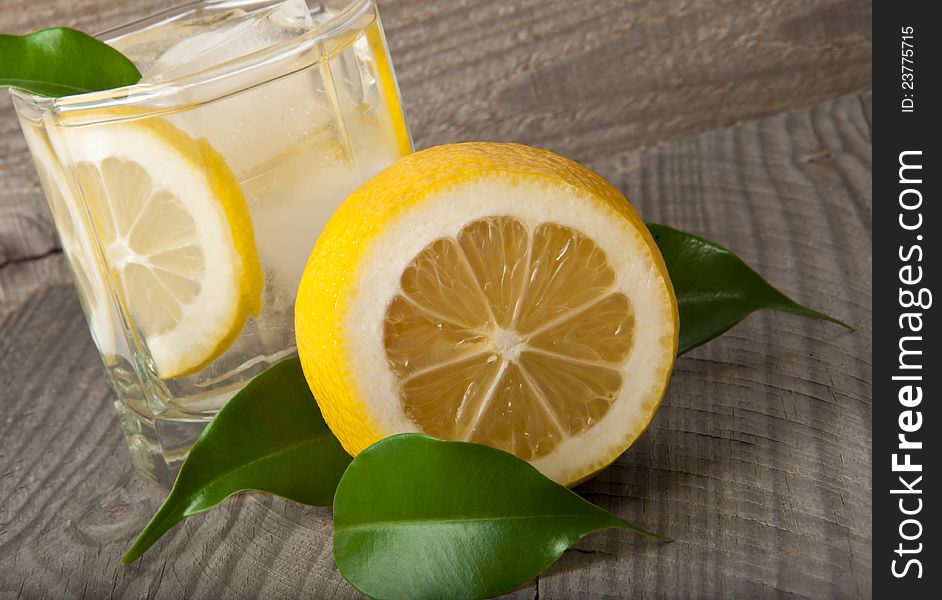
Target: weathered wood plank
{"x":757,"y":463}
{"x":597,"y":77}
{"x":19,"y":279}
{"x":588,"y":78}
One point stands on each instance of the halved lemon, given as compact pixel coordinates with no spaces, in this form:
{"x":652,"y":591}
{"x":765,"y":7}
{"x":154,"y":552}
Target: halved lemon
{"x":77,"y":243}
{"x":175,"y":233}
{"x":494,"y":293}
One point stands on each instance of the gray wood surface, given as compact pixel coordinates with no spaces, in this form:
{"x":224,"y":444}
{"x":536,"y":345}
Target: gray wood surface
{"x":745,"y":121}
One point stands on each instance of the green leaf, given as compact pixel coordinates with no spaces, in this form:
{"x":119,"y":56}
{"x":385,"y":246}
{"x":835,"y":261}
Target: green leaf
{"x":715,"y":289}
{"x":269,"y":437}
{"x":416,"y":517}
{"x":61,"y":62}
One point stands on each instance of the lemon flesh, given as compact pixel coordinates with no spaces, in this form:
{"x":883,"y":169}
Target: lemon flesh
{"x":492,"y":293}
{"x":509,"y":339}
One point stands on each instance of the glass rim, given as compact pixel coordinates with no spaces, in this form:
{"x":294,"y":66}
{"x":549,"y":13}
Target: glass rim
{"x":146,"y":92}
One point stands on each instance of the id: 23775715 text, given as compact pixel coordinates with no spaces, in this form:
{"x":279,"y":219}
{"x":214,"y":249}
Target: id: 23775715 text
{"x":907,"y":69}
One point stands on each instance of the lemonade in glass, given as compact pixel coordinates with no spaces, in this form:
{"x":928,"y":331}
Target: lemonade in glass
{"x":187,"y":204}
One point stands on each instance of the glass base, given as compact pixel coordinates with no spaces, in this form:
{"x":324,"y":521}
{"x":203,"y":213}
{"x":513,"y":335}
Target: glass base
{"x":158,"y":446}
{"x":162,"y":419}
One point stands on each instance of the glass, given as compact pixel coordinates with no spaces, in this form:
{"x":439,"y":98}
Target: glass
{"x":164,"y":238}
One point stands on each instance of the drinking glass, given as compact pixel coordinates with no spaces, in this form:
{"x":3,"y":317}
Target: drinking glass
{"x":187,"y":204}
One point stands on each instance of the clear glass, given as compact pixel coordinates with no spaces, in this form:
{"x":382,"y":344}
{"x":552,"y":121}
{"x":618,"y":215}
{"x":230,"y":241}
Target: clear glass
{"x":298,"y":125}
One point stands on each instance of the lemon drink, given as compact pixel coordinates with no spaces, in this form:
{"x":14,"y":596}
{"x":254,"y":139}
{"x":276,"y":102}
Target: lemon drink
{"x":187,"y":205}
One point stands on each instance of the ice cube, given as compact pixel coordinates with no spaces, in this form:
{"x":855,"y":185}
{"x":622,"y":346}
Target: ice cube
{"x":254,"y":115}
{"x":146,"y":45}
{"x":238,"y":33}
{"x":298,"y":140}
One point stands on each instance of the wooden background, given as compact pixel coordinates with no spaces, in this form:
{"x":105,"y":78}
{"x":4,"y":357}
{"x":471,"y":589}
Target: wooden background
{"x":746,"y":121}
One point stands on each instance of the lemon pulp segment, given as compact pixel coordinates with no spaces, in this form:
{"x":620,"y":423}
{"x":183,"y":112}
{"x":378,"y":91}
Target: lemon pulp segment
{"x":509,"y":338}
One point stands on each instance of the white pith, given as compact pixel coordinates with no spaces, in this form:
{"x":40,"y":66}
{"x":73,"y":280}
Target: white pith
{"x":77,"y":245}
{"x":208,"y":317}
{"x":443,"y":215}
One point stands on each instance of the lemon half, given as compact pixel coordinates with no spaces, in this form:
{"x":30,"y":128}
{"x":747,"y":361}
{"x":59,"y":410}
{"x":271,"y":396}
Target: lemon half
{"x":494,"y":293}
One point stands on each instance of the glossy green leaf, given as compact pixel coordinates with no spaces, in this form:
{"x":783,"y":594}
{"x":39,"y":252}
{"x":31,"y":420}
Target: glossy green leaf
{"x":61,"y":62}
{"x":715,"y":289}
{"x":416,"y":517}
{"x":269,"y":437}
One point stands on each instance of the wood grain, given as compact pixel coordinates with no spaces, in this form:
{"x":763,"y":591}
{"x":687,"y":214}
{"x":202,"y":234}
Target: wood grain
{"x":597,"y":77}
{"x":588,"y":78}
{"x":758,"y":462}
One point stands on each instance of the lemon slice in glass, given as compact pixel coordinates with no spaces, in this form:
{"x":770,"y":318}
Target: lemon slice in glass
{"x":176,"y":234}
{"x":492,"y":293}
